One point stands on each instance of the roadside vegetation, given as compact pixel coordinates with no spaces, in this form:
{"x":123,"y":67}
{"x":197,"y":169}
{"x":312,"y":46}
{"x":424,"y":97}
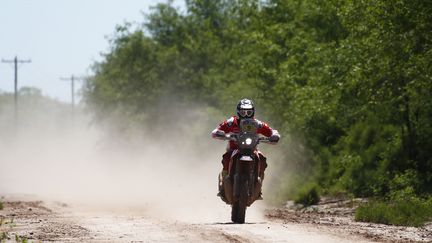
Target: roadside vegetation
{"x":307,"y":195}
{"x":347,"y":83}
{"x":414,"y":212}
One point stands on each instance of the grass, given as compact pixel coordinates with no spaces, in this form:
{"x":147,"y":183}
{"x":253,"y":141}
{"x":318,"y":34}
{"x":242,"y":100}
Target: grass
{"x":3,"y":237}
{"x":413,"y":212}
{"x":21,"y":239}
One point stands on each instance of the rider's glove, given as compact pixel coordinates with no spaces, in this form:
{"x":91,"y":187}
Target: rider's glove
{"x":220,"y":134}
{"x":233,"y":137}
{"x":274,"y":138}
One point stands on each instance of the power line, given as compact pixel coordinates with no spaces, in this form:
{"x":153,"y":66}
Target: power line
{"x":15,"y":61}
{"x":72,"y":79}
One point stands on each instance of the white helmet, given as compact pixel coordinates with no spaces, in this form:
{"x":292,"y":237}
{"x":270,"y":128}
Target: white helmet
{"x":245,"y":108}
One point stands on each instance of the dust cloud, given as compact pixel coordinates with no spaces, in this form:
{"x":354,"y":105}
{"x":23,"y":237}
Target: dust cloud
{"x":168,"y":171}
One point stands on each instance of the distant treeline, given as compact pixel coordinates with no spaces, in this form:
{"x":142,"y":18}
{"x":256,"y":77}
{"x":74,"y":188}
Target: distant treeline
{"x":348,"y":83}
{"x":34,"y":115}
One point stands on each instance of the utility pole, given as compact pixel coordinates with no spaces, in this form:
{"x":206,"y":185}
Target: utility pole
{"x":72,"y":79}
{"x":15,"y":61}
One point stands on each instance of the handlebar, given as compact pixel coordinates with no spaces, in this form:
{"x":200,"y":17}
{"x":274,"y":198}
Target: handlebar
{"x":264,"y":140}
{"x":231,"y":137}
{"x":234,"y":137}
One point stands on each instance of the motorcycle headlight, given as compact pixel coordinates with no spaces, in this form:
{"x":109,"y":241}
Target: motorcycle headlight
{"x":248,"y":141}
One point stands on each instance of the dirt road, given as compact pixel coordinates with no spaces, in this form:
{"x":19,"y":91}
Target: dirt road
{"x":111,"y":196}
{"x":54,"y":221}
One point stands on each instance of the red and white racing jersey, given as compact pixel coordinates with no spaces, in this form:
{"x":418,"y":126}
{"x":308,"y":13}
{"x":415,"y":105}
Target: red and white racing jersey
{"x":231,"y":125}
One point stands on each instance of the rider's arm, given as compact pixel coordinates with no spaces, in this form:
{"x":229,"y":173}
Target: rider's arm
{"x":267,"y":131}
{"x":223,"y":128}
{"x":218,"y":134}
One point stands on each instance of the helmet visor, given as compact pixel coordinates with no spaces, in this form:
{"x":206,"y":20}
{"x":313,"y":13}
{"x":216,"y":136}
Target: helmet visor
{"x":246,"y":113}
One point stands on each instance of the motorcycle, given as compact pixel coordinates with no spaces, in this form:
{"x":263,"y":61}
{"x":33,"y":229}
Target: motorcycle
{"x":242,"y":185}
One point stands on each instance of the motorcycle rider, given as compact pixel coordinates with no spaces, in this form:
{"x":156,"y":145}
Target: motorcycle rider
{"x":245,"y":109}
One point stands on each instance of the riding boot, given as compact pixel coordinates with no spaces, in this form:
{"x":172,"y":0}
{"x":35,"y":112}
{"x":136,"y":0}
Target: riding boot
{"x":221,"y":178}
{"x":261,"y":178}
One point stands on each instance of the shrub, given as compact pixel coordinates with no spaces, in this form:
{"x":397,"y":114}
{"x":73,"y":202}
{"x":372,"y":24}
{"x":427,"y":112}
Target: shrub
{"x":1,"y":205}
{"x":413,"y":212}
{"x":308,"y":195}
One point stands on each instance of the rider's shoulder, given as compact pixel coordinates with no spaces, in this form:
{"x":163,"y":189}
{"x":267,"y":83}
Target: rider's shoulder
{"x":230,"y":121}
{"x":259,"y":123}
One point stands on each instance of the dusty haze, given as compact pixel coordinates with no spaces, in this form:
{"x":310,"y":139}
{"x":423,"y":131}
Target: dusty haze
{"x":54,"y":155}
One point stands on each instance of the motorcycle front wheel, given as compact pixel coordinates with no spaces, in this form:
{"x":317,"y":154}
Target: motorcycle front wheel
{"x":238,"y":210}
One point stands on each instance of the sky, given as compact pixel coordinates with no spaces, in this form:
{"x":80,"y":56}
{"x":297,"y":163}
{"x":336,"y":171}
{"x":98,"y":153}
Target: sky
{"x":61,"y":38}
